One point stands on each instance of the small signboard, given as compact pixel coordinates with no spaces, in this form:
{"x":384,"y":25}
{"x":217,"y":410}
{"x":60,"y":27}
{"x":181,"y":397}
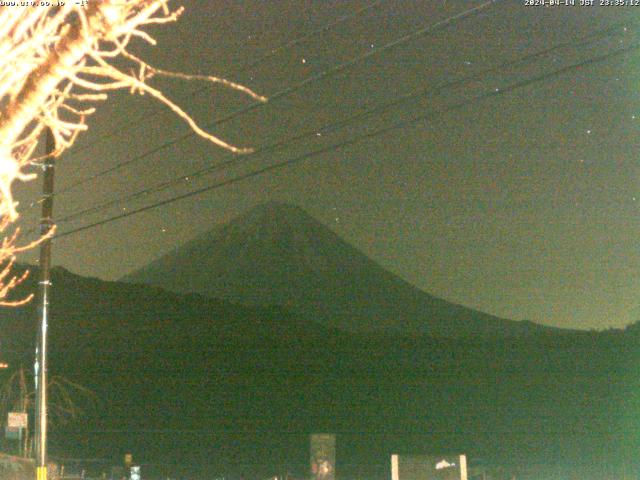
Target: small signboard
{"x":17,"y":420}
{"x":135,"y":473}
{"x":13,"y":433}
{"x":429,"y":467}
{"x":323,"y":456}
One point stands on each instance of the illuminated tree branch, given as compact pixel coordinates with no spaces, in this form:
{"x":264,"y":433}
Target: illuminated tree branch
{"x":56,"y":60}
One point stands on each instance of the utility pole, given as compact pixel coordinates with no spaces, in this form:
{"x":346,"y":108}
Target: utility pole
{"x":24,"y":441}
{"x":46,"y":224}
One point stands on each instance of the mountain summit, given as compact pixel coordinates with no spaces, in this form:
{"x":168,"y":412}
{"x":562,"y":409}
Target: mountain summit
{"x":277,"y":254}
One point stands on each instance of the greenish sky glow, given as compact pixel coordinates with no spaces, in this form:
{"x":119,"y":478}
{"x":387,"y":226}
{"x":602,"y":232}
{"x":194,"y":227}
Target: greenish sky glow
{"x":524,"y":205}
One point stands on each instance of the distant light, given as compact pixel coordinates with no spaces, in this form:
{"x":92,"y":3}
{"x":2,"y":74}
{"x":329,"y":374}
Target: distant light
{"x":304,"y":60}
{"x":444,"y":464}
{"x":4,"y":365}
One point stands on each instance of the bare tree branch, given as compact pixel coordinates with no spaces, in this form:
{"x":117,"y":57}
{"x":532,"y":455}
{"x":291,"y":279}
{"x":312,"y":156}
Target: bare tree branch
{"x":55,"y":59}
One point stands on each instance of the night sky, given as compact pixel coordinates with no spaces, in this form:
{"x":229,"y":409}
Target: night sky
{"x":524,"y":205}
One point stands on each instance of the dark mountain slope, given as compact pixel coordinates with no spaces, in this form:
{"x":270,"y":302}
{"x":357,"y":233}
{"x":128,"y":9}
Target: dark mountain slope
{"x":278,"y":254}
{"x":212,"y":387}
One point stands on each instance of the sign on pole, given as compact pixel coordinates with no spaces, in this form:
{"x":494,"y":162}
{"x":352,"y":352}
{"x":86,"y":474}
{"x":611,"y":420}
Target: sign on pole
{"x":17,"y":420}
{"x":323,"y":456}
{"x":135,"y":473}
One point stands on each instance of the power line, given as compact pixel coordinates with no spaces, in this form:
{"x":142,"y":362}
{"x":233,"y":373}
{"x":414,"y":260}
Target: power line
{"x":358,"y":138}
{"x":293,"y":88}
{"x":270,"y":54}
{"x":587,"y":39}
